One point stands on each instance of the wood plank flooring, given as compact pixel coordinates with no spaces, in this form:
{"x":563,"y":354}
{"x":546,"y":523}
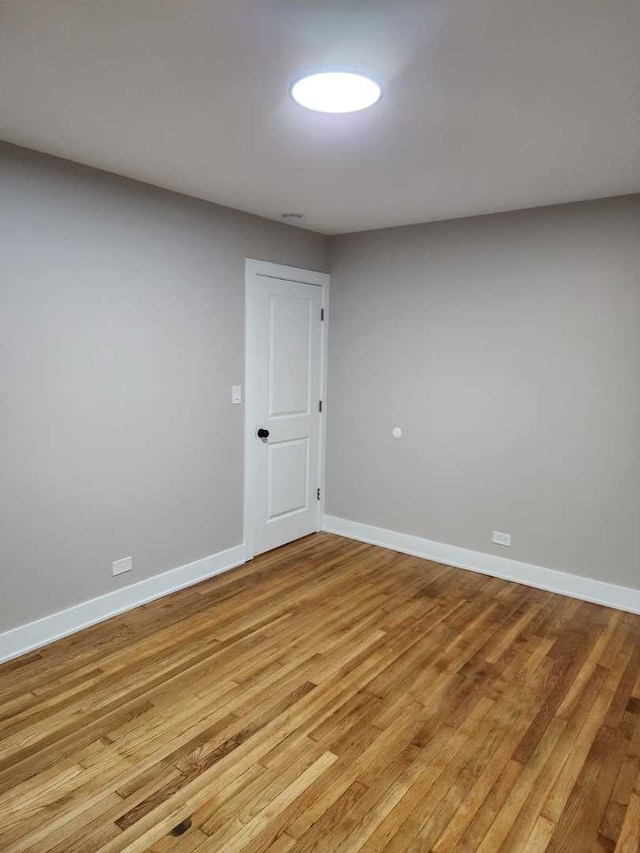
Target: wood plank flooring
{"x":330,"y":696}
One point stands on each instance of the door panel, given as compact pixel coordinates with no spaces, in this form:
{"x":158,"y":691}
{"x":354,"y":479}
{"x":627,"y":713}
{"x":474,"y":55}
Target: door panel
{"x":283,"y":379}
{"x":289,"y":351}
{"x":288,"y":477}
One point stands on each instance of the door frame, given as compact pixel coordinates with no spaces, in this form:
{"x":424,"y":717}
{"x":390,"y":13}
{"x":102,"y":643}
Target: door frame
{"x":255,"y":270}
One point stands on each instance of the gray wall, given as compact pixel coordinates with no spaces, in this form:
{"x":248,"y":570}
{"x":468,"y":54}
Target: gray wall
{"x":508,"y":349}
{"x":121,"y":333}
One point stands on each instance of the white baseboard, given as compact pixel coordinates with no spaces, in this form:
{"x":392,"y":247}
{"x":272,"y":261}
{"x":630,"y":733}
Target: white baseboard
{"x":43,"y":631}
{"x":563,"y":583}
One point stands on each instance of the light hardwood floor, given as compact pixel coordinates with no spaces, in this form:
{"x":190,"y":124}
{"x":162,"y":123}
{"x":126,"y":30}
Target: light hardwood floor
{"x":330,"y":696}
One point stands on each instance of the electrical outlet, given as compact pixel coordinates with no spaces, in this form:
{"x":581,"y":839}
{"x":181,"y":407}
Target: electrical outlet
{"x":501,"y":538}
{"x":119,"y":567}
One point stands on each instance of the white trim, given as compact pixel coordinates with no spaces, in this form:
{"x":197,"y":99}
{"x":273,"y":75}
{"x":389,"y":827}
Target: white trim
{"x":270,"y":270}
{"x":266,"y":269}
{"x":324,"y":371}
{"x":551,"y":580}
{"x":43,"y":631}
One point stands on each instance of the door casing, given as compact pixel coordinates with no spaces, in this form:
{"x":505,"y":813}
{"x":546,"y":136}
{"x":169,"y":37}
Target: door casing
{"x":255,"y":271}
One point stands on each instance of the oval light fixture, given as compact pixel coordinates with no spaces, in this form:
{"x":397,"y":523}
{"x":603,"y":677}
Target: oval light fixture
{"x":336,"y":92}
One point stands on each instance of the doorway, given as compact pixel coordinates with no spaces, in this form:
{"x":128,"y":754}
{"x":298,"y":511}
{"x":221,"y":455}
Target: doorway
{"x":286,"y":311}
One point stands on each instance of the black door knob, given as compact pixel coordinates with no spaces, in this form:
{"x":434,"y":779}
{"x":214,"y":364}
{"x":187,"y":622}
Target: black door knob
{"x":263,"y":433}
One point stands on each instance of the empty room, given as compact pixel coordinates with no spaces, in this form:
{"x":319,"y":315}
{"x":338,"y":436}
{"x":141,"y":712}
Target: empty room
{"x":320,"y":426}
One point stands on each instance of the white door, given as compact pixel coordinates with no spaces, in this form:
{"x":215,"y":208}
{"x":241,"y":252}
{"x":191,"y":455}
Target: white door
{"x":283,"y":398}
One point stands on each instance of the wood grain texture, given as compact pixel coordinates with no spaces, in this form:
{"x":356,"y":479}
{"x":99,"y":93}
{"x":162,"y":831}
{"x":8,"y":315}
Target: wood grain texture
{"x":330,"y":696}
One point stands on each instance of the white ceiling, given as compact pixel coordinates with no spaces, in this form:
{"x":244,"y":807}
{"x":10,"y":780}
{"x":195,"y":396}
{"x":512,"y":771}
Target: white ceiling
{"x":489,"y":104}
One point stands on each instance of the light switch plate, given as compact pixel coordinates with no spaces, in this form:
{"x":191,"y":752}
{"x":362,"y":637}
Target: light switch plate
{"x":236,"y":394}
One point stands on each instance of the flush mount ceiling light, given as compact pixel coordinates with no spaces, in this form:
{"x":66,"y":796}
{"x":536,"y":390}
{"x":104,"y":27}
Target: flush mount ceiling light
{"x":336,"y":92}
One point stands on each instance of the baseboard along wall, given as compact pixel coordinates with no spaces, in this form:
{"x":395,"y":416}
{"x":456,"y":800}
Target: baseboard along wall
{"x":33,"y":635}
{"x":41,"y":632}
{"x":551,"y":580}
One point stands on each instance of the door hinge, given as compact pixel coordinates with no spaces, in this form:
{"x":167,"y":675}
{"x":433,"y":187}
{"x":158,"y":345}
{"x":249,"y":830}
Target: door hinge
{"x":320,"y":405}
{"x":321,"y":314}
{"x":318,"y":494}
